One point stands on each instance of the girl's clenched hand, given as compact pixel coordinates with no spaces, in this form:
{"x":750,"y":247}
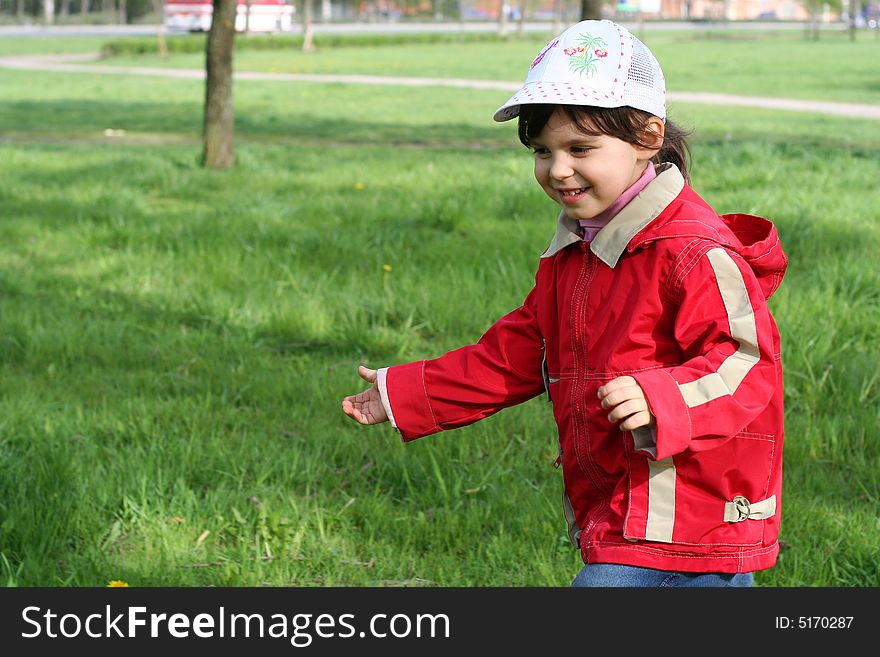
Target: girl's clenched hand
{"x":626,"y":401}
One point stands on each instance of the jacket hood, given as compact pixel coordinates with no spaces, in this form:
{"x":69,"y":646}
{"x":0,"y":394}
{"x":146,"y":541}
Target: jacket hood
{"x":753,"y":238}
{"x":756,"y":240}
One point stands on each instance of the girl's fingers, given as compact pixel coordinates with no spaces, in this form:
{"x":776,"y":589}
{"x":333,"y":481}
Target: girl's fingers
{"x":615,"y":384}
{"x":362,"y":411}
{"x":612,"y":399}
{"x":626,"y":409}
{"x":357,"y":415}
{"x":640,"y":419}
{"x":367,"y":374}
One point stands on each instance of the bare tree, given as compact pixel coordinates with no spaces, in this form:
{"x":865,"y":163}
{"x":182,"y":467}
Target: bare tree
{"x":521,"y":19}
{"x":854,"y":9}
{"x":502,"y":18}
{"x":815,"y":8}
{"x":558,"y":8}
{"x":219,"y":150}
{"x":591,"y":10}
{"x":308,"y":27}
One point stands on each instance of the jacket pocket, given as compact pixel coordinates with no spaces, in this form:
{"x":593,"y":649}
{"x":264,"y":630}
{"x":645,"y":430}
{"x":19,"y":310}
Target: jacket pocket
{"x":718,"y":496}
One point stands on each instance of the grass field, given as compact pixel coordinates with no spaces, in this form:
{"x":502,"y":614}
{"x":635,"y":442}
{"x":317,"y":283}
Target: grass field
{"x":780,"y":64}
{"x":174,"y":342}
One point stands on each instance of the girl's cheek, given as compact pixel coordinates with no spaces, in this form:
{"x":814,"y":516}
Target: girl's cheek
{"x":540,"y":172}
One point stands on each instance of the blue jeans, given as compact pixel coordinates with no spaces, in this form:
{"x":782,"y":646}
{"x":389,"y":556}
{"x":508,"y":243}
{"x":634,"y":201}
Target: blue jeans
{"x":611,"y":574}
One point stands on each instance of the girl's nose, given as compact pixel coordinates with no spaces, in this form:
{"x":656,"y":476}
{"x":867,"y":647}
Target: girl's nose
{"x":560,"y":168}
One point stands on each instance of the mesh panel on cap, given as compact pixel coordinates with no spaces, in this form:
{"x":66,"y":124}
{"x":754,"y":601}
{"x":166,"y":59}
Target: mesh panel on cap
{"x":645,"y":86}
{"x":643,"y":70}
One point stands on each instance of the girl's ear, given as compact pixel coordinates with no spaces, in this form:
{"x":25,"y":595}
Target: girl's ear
{"x":654,"y":132}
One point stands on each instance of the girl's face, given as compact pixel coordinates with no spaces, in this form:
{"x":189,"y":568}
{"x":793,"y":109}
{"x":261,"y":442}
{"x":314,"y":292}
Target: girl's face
{"x":583,"y":173}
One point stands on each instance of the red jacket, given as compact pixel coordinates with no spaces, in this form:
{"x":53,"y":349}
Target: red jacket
{"x":674,"y":296}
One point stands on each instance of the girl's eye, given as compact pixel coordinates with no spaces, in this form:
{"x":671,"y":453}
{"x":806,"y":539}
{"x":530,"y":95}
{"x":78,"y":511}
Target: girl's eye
{"x":540,"y":151}
{"x":580,"y":150}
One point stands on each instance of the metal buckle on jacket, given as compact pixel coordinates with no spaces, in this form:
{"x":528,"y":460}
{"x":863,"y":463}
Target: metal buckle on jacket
{"x":742,"y":507}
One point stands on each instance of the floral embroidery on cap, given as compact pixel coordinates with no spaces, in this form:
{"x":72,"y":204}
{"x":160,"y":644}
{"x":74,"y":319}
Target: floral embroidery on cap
{"x":585,"y":55}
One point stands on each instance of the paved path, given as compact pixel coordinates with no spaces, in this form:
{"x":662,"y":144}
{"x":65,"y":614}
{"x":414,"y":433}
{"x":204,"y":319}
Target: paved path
{"x":397,"y":27}
{"x":75,"y":64}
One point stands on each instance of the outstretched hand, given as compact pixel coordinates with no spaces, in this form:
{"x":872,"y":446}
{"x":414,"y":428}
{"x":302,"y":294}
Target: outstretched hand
{"x":626,"y":401}
{"x":365,"y":407}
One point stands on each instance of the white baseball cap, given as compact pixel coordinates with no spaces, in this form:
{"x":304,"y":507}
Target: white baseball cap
{"x":596,"y":63}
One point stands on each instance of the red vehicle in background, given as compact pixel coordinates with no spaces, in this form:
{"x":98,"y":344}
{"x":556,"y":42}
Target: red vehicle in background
{"x":195,"y":15}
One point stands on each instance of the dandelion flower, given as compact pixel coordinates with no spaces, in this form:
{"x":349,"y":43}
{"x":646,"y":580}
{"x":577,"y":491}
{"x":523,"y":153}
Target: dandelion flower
{"x":386,"y":267}
{"x":116,"y":583}
{"x":359,"y":185}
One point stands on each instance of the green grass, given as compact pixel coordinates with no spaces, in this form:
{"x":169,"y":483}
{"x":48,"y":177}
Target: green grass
{"x":195,"y":43}
{"x":55,"y":45}
{"x":777,"y":64}
{"x":175,"y":342}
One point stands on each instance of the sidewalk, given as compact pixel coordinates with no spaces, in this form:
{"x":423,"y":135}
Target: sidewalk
{"x":74,"y":64}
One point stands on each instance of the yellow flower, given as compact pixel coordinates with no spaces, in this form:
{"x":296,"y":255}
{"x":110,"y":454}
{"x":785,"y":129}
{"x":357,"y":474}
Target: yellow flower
{"x":115,"y":583}
{"x":386,"y":267}
{"x":359,"y":185}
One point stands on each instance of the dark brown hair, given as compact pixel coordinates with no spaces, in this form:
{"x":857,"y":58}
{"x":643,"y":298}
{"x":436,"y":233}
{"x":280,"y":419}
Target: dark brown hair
{"x":624,"y":123}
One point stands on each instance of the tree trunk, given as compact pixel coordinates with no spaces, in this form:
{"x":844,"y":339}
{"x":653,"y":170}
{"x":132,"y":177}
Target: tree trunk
{"x":19,"y":10}
{"x":591,"y":10}
{"x":521,"y":19}
{"x":853,"y":14}
{"x":219,"y":150}
{"x":308,"y":27}
{"x":49,"y":11}
{"x":326,"y":11}
{"x":502,"y":19}
{"x":161,"y":43}
{"x":558,"y":8}
{"x":65,"y":9}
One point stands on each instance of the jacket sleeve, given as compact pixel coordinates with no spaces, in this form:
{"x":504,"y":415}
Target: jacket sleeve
{"x":729,"y":375}
{"x":471,"y":383}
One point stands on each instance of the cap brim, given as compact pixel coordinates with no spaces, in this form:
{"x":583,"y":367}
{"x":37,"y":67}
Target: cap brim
{"x":506,"y":112}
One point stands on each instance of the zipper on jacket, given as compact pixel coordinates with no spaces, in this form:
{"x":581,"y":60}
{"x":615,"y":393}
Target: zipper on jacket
{"x":558,"y":460}
{"x":545,"y":371}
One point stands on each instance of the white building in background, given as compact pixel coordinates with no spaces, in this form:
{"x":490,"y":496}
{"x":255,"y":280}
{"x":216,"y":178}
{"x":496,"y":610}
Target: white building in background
{"x":663,"y":9}
{"x":195,"y":15}
{"x":734,"y":10}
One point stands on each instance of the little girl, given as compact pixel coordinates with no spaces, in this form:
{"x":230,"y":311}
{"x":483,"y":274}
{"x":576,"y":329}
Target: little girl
{"x":647,"y":327}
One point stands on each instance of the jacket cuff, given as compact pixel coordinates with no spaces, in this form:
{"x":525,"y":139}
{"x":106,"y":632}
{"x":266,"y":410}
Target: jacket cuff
{"x":381,"y":375}
{"x":407,"y":395}
{"x":673,"y":431}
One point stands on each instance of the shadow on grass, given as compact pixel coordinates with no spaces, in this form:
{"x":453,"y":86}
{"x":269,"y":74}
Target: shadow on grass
{"x":76,"y":117}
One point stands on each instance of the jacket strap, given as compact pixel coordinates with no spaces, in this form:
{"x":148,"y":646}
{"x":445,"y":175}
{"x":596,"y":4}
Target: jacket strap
{"x":741,"y":509}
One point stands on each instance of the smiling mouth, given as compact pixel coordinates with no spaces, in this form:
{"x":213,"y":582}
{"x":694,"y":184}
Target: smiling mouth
{"x":572,"y":192}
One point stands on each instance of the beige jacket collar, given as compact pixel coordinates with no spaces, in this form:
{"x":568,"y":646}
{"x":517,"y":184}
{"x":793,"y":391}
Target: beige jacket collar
{"x":610,"y":243}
